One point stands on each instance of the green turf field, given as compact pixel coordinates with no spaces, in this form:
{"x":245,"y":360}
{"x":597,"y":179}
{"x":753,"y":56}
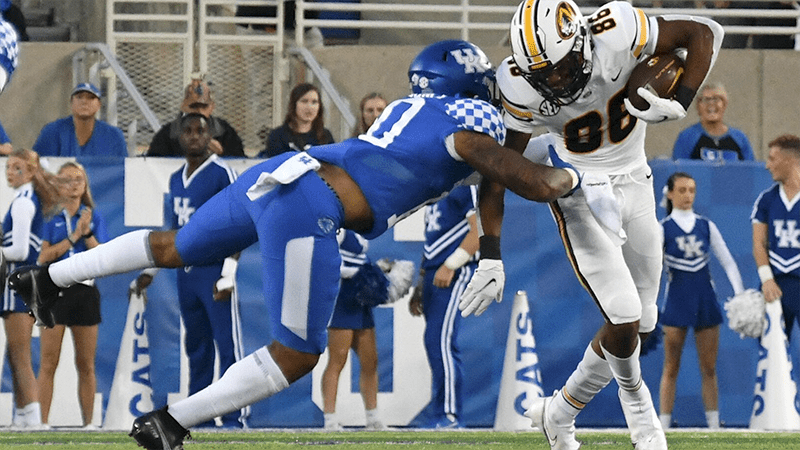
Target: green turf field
{"x":427,"y":440}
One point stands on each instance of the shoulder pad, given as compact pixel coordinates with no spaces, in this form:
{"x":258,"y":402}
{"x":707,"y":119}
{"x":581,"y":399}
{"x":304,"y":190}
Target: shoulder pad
{"x":477,"y":115}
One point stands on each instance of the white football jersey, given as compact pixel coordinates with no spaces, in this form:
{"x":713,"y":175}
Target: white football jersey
{"x":595,"y":132}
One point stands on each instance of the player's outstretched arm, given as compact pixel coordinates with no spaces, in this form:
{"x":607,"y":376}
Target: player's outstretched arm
{"x":505,"y":166}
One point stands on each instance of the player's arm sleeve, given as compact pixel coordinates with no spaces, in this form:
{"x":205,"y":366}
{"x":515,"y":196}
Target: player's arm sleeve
{"x":22,"y":212}
{"x":725,"y":258}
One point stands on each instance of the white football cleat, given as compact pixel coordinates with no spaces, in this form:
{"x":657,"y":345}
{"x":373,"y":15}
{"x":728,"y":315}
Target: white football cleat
{"x":643,"y":422}
{"x":560,"y":437}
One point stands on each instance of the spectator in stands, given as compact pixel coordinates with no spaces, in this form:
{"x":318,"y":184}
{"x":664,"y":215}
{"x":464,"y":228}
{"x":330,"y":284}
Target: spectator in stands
{"x":690,"y":299}
{"x":78,"y":227}
{"x":81,"y":134}
{"x":36,"y":196}
{"x":775,"y":224}
{"x":448,"y":262}
{"x":312,"y":38}
{"x":13,"y":15}
{"x":198,"y":99}
{"x":773,"y":41}
{"x":207,"y":294}
{"x":370,"y":108}
{"x":5,"y":142}
{"x":352,"y":325}
{"x":303,"y":127}
{"x":711,"y":139}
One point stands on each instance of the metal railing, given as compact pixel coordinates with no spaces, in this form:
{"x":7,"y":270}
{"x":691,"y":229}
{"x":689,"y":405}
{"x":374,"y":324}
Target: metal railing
{"x":465,"y":16}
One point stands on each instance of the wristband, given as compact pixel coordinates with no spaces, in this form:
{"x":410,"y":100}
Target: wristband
{"x":490,"y":247}
{"x":765,"y":273}
{"x":684,"y":95}
{"x":229,"y":267}
{"x":575,"y":177}
{"x":457,"y":259}
{"x":89,"y":234}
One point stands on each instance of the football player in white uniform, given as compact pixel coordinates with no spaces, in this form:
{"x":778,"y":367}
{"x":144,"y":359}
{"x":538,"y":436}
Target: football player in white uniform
{"x":569,"y":74}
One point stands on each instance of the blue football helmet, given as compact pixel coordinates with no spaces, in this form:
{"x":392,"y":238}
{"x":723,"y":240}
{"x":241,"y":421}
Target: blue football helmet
{"x":456,"y":68}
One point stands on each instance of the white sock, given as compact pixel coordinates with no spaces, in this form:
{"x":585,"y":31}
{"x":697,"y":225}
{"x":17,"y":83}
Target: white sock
{"x":589,"y":378}
{"x":712,"y":419}
{"x":627,"y":371}
{"x":247,"y":381}
{"x":666,"y":420}
{"x":131,"y":251}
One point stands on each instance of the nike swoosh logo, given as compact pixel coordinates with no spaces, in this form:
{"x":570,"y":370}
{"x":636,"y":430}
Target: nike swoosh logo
{"x":618,"y":74}
{"x":649,"y":175}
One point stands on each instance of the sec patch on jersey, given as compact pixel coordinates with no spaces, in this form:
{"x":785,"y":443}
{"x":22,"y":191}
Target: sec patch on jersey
{"x":659,"y":74}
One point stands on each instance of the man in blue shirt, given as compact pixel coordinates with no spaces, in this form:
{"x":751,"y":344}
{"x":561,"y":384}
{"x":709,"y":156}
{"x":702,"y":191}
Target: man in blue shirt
{"x":81,"y":134}
{"x":711,"y":139}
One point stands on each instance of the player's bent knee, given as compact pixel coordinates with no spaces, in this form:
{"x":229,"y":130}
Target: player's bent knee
{"x":293,"y":363}
{"x":162,"y":246}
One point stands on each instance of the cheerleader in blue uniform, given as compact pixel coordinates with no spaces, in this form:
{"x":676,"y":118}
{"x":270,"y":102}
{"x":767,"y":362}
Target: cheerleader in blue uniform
{"x":690,"y":299}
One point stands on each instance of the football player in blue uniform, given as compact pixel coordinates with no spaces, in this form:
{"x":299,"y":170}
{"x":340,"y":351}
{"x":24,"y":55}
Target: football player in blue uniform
{"x":420,"y":148}
{"x":690,"y":299}
{"x":208,"y":299}
{"x":448,"y":261}
{"x":776,"y":229}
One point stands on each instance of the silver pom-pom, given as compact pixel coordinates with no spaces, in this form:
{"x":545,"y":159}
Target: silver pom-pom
{"x":746,"y":312}
{"x":400,"y":274}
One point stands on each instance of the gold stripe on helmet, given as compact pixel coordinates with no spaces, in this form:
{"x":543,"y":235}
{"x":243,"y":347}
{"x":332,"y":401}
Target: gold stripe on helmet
{"x":642,"y":33}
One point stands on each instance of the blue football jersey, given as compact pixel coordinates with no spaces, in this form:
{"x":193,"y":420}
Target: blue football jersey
{"x":414,"y":156}
{"x":446,"y":224}
{"x":783,"y":220}
{"x":187,"y":193}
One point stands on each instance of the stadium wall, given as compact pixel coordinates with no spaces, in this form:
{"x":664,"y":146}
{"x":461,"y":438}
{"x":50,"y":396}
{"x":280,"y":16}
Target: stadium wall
{"x":564,"y":317}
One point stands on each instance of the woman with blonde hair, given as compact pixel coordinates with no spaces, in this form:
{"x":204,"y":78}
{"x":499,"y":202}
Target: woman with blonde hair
{"x":36,"y":196}
{"x":78,"y":227}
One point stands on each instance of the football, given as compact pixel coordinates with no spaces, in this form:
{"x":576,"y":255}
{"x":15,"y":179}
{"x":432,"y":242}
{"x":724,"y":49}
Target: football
{"x":659,"y":74}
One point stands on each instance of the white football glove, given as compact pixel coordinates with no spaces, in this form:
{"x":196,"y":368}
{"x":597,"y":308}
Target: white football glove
{"x":486,"y":285}
{"x":660,"y":110}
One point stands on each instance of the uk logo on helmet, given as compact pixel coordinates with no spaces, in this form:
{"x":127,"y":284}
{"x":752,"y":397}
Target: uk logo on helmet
{"x":567,"y":26}
{"x":471,"y":61}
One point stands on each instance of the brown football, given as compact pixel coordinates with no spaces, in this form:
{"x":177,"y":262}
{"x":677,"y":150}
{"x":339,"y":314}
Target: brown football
{"x":659,"y":74}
